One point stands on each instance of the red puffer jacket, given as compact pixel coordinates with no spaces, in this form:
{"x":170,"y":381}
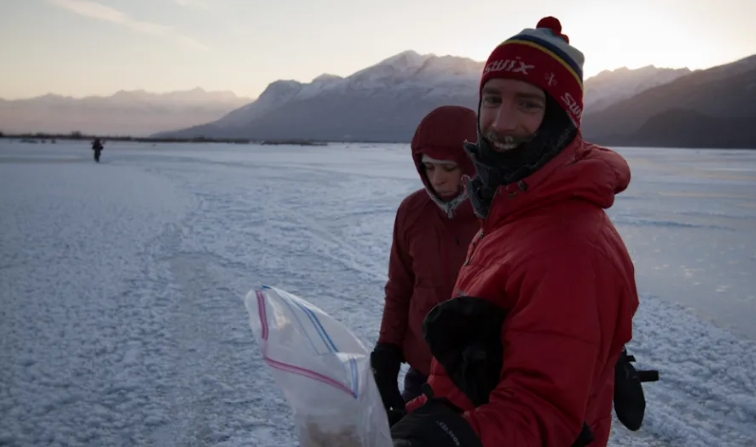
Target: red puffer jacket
{"x":550,"y":257}
{"x":429,"y":246}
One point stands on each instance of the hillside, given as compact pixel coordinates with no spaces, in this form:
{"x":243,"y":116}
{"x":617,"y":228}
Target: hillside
{"x":384,"y":102}
{"x":134,"y":113}
{"x":704,"y":99}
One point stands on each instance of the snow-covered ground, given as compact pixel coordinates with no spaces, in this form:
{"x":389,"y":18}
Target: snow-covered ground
{"x":121,"y":285}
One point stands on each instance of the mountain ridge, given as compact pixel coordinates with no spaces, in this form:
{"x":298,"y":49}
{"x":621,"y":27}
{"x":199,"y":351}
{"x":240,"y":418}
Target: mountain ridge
{"x":121,"y":92}
{"x":125,"y":112}
{"x":721,"y":92}
{"x":385,"y":101}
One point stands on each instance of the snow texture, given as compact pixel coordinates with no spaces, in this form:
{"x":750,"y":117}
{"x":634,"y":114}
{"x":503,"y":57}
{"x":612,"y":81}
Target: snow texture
{"x":121,"y":285}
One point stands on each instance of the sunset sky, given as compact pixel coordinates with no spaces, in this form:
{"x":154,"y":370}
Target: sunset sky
{"x":79,"y":48}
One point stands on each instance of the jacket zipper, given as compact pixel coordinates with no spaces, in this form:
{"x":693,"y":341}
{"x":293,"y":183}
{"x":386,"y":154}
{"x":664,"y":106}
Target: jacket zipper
{"x":447,"y":263}
{"x":450,"y":232}
{"x":522,"y":186}
{"x":482,"y":232}
{"x":475,"y":245}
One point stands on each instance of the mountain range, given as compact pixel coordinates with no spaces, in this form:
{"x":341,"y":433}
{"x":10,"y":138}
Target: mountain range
{"x":384,"y":102}
{"x":714,"y":108}
{"x":647,"y":106}
{"x":134,"y":113}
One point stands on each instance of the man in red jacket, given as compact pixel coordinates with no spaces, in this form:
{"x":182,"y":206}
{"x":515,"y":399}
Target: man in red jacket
{"x":525,"y":353}
{"x":432,"y":230}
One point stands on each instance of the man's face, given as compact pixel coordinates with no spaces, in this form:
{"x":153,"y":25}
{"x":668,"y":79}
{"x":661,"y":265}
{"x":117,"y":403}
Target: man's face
{"x":510,"y":112}
{"x":445,"y":178}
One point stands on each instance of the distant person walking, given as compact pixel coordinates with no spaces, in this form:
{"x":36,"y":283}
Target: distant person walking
{"x":97,"y":148}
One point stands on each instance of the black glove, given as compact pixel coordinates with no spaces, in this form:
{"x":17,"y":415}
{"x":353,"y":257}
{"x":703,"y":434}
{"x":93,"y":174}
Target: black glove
{"x":464,"y":335}
{"x":395,"y":416}
{"x":585,"y":437}
{"x":629,"y":399}
{"x":436,"y":423}
{"x":386,"y":359}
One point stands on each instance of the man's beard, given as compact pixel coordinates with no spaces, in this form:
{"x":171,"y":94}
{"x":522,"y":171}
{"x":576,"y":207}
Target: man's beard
{"x":503,"y":143}
{"x":516,"y":157}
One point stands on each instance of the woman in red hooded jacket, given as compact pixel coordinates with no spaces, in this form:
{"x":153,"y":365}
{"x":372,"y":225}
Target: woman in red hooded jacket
{"x":432,"y":230}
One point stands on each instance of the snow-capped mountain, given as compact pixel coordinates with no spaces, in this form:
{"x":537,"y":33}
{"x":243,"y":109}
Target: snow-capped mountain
{"x":384,"y":102}
{"x":612,"y":86}
{"x":275,"y":95}
{"x":397,"y":74}
{"x":394,"y":93}
{"x":714,"y":107}
{"x":135,"y":113}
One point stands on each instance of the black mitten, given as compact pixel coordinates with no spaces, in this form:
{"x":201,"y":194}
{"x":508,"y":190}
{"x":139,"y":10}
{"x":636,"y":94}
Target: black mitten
{"x":386,"y":360}
{"x":395,"y":415}
{"x":585,"y":437}
{"x":629,"y":399}
{"x":435,"y":424}
{"x":464,"y":335}
{"x":422,"y":429}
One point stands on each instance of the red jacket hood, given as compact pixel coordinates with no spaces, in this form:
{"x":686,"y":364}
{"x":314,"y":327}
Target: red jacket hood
{"x":441,"y":135}
{"x":581,"y":171}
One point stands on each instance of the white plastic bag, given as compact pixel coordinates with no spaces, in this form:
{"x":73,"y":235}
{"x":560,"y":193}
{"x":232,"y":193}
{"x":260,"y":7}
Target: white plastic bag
{"x":323,"y":369}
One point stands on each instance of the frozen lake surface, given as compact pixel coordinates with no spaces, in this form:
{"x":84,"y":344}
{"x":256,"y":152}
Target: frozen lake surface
{"x":121,"y":285}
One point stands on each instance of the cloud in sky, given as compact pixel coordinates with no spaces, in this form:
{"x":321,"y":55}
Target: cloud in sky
{"x":198,"y":4}
{"x":97,"y":11}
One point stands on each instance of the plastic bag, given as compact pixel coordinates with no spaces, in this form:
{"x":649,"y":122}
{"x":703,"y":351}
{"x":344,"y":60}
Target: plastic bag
{"x":323,"y":370}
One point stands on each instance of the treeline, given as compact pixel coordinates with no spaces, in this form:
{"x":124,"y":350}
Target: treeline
{"x":89,"y":137}
{"x":200,"y":139}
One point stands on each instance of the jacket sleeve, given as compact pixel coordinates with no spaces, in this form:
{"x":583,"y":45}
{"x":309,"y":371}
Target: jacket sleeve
{"x":416,"y":403}
{"x":399,"y":287}
{"x":442,"y":386}
{"x":553,"y":346}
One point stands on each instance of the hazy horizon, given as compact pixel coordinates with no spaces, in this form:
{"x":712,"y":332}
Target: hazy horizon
{"x":199,"y":87}
{"x":82,"y":48}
